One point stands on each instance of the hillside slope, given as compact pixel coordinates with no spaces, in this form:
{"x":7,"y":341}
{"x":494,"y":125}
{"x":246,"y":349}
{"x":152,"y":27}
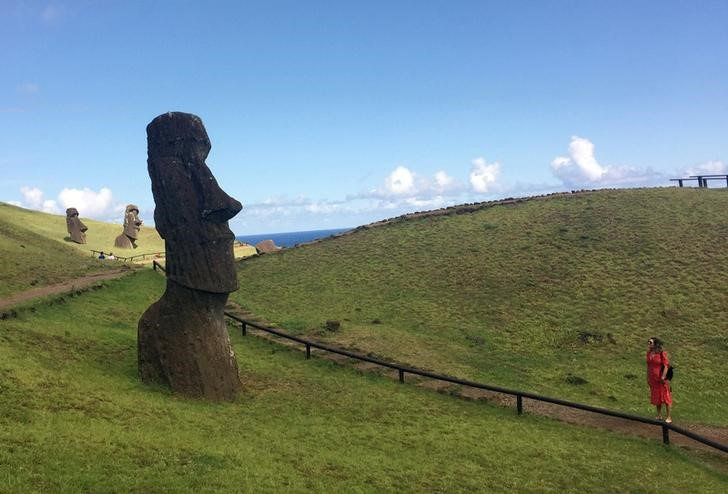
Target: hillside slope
{"x":74,"y":417}
{"x":29,"y":259}
{"x":35,"y":249}
{"x":100,"y":235}
{"x":556,"y":296}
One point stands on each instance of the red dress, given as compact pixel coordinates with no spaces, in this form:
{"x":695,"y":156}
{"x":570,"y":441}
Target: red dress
{"x":659,"y":391}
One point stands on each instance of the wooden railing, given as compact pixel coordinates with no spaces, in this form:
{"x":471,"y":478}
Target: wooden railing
{"x":519,"y":395}
{"x":702,"y":179}
{"x":142,"y":257}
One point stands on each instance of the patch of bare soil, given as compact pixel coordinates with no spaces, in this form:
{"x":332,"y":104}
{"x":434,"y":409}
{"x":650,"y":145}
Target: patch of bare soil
{"x":557,"y":412}
{"x":68,"y":286}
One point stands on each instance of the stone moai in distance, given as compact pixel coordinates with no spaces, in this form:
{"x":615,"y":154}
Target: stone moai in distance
{"x":183,"y":341}
{"x":132,"y":225}
{"x":74,"y":225}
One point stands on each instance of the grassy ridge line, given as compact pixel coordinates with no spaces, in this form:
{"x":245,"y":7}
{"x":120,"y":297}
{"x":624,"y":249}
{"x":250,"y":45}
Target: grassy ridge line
{"x":74,"y":417}
{"x":557,"y":297}
{"x":470,"y":207}
{"x":450,"y":210}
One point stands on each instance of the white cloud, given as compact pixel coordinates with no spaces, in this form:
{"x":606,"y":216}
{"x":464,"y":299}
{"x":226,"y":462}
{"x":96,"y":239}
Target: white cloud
{"x":16,"y":203}
{"x":400,"y":182}
{"x":432,"y":203}
{"x":581,"y":166}
{"x":444,"y":182}
{"x":708,"y":168}
{"x":88,"y":202}
{"x":50,"y":206}
{"x":483,"y":176}
{"x":281,"y":206}
{"x":321,"y":208}
{"x":32,"y":197}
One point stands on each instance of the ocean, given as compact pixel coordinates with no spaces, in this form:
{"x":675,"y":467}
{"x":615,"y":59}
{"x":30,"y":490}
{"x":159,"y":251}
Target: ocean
{"x":290,"y":239}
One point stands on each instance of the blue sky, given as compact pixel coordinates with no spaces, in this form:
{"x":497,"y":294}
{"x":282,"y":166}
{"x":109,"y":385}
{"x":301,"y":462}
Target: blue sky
{"x":335,"y":114}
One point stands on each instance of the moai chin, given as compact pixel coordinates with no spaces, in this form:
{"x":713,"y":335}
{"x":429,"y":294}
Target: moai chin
{"x":74,"y":225}
{"x":182,"y":338}
{"x":132,"y":225}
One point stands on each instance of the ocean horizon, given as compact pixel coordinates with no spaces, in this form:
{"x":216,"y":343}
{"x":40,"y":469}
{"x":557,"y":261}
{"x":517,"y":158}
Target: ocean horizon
{"x":290,"y":239}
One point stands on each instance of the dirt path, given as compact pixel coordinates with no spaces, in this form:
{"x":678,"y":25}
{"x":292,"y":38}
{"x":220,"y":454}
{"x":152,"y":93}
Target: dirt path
{"x":562,"y":413}
{"x":64,"y":287}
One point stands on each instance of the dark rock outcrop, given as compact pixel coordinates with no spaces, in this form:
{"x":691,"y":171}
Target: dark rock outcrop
{"x":266,"y":247}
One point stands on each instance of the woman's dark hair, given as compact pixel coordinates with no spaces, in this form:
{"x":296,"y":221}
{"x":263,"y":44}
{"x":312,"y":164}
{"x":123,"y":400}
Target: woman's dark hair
{"x":658,"y":344}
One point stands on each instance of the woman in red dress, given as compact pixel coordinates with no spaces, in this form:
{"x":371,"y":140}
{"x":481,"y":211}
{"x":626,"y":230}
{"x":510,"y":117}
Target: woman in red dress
{"x":659,"y":386}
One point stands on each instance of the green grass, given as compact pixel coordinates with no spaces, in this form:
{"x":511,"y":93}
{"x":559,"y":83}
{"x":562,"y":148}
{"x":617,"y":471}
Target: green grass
{"x":528,"y":295}
{"x":100,"y":236}
{"x":28,"y":259}
{"x":74,"y":418}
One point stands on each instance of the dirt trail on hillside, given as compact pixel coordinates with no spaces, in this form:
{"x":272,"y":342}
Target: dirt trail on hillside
{"x":558,"y":412}
{"x":67,"y":286}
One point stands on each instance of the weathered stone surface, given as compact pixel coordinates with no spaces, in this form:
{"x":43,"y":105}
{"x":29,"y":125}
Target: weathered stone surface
{"x":132,"y":225}
{"x":183,"y":340}
{"x":266,"y":247}
{"x":76,"y":228}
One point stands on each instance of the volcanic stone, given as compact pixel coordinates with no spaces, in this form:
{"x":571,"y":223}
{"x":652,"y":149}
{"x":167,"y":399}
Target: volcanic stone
{"x":132,"y":225}
{"x":74,"y":225}
{"x":182,"y":338}
{"x":266,"y":247}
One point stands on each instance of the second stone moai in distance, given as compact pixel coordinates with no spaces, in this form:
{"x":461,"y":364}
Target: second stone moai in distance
{"x":132,"y":224}
{"x":74,"y":225}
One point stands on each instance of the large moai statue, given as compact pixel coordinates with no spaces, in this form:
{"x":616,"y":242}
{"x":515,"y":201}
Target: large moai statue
{"x":74,"y":225}
{"x":182,"y":338}
{"x":132,"y":225}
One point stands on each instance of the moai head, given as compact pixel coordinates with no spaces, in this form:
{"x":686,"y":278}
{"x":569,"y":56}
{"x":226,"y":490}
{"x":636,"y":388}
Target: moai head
{"x":74,"y":225}
{"x":192,"y":211}
{"x":132,"y":223}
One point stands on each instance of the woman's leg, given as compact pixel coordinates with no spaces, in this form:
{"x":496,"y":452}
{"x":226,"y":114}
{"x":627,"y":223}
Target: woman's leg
{"x":668,"y":408}
{"x":659,"y":411}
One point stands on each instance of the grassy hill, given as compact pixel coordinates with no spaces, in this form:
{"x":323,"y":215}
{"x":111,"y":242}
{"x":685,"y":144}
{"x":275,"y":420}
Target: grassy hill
{"x":100,"y":235}
{"x":75,"y":418}
{"x":33,"y":252}
{"x":556,"y":296}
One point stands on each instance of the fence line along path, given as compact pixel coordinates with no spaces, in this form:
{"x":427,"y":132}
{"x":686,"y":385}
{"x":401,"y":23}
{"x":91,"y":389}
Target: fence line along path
{"x":403,"y":370}
{"x":142,"y":257}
